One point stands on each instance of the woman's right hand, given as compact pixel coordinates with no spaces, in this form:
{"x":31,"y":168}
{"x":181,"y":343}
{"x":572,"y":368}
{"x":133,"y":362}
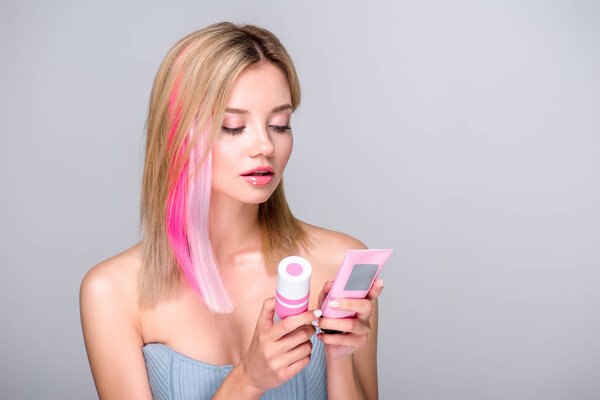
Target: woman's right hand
{"x":278,"y":351}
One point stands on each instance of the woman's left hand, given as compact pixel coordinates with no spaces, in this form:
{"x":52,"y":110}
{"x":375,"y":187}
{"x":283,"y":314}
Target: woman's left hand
{"x":356,"y":330}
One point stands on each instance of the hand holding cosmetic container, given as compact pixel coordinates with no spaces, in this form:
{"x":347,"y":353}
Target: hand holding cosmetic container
{"x":355,"y":278}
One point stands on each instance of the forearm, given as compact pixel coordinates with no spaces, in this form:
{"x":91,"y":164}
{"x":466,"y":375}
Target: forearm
{"x":237,"y":386}
{"x":342,"y":381}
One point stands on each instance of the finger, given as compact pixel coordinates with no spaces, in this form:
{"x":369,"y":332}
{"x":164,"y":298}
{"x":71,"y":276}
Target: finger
{"x":376,"y":289}
{"x":297,"y":352}
{"x":362,"y":307}
{"x":297,"y":366}
{"x":265,"y":318}
{"x":290,"y":323}
{"x":296,"y":337}
{"x":351,"y":340}
{"x":326,"y":287}
{"x":348,"y":325}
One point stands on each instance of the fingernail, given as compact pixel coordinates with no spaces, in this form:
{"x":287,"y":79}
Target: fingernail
{"x":380,"y":282}
{"x":317,"y":313}
{"x":315,"y":322}
{"x":334,"y":304}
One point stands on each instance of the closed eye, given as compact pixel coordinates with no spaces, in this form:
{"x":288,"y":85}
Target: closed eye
{"x":238,"y":131}
{"x":281,"y":128}
{"x":233,"y":131}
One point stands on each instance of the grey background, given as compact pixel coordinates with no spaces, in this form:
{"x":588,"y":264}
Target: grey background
{"x":464,"y":135}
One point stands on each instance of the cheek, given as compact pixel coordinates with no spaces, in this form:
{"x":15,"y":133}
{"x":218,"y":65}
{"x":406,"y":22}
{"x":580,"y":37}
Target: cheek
{"x":287,"y":149}
{"x":284,"y":151}
{"x":219,"y":161}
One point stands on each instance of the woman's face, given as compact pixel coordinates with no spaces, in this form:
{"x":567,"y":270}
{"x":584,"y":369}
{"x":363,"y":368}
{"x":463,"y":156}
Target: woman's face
{"x":255,"y":133}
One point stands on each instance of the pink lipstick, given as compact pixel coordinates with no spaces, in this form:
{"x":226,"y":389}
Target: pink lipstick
{"x":261,"y":175}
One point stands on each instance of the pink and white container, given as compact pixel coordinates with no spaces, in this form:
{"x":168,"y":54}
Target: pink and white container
{"x":355,"y":277}
{"x":293,"y":287}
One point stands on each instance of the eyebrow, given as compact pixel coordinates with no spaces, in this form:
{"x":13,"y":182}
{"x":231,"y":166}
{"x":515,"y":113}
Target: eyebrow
{"x":242,"y":111}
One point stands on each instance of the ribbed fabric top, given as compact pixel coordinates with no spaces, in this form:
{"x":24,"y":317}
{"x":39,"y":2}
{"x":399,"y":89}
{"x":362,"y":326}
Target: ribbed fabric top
{"x":174,"y":376}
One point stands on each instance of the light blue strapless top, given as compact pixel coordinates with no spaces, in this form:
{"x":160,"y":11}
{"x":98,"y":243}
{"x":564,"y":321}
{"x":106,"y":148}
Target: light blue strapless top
{"x":174,"y":376}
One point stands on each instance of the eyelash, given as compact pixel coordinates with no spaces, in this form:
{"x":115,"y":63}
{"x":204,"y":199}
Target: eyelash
{"x":238,"y":131}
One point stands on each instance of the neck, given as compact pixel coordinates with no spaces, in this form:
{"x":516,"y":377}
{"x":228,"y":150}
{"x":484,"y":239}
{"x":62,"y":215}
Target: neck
{"x":233,"y":227}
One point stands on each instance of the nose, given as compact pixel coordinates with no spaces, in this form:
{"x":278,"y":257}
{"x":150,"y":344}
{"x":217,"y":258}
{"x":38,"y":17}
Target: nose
{"x":262,"y":145}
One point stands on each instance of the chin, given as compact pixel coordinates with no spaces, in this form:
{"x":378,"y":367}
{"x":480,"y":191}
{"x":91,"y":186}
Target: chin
{"x":249,"y":197}
{"x":258,"y":199}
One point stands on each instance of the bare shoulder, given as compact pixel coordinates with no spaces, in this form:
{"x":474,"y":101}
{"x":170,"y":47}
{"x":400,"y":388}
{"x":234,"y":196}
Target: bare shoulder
{"x":330,"y":246}
{"x":110,"y":288}
{"x":108,"y":307}
{"x":332,"y":240}
{"x":115,"y":276}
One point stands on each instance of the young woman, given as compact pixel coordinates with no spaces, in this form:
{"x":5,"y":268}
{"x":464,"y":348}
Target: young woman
{"x":187,"y":313}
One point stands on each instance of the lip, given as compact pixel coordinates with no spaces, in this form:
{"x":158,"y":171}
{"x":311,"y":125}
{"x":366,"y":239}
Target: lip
{"x":260,"y":168}
{"x":259,"y":180}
